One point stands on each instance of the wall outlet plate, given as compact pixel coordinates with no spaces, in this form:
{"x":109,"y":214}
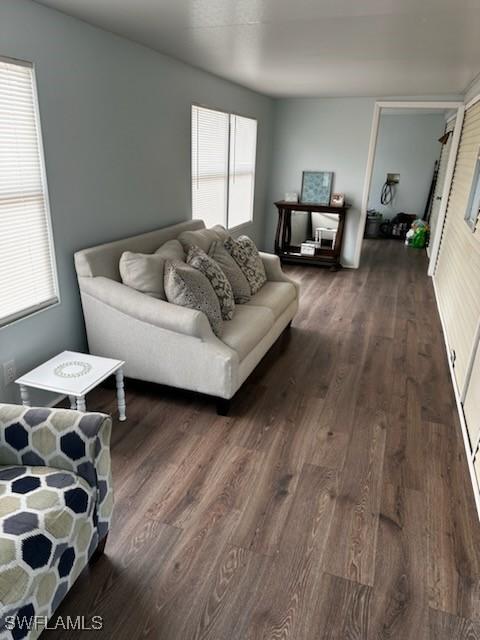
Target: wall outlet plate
{"x":9,"y":372}
{"x":393,"y":178}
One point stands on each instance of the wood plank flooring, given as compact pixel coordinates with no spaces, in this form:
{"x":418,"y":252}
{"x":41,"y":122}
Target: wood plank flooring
{"x":332,"y":503}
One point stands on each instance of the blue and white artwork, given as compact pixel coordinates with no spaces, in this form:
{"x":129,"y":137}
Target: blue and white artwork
{"x":317,"y":187}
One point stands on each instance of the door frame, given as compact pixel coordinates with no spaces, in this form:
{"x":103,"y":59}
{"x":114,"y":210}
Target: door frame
{"x":380,"y":105}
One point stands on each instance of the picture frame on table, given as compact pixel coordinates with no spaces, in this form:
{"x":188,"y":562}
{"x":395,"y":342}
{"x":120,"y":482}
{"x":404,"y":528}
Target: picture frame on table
{"x":338,"y":200}
{"x":316,"y":187}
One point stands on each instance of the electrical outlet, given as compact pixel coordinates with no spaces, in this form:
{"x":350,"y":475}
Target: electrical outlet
{"x":9,"y":372}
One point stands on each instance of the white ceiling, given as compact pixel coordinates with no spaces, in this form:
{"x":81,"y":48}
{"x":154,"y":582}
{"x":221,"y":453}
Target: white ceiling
{"x":307,"y":47}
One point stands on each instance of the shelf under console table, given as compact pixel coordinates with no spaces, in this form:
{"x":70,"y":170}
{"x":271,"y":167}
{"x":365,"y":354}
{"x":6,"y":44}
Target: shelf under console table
{"x":324,"y":255}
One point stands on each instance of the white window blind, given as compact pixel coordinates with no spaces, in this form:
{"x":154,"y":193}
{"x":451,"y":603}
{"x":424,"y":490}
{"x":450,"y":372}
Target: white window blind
{"x":27,"y":271}
{"x":243,"y":143}
{"x":223,"y":167}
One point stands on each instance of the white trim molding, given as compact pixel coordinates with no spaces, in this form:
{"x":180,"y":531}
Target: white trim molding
{"x":472,"y":101}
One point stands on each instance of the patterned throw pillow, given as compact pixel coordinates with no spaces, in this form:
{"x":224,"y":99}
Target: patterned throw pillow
{"x":238,"y":282}
{"x":245,"y":254}
{"x":189,"y":288}
{"x":198,"y":259}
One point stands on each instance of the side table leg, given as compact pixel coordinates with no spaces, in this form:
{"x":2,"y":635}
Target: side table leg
{"x":24,"y":396}
{"x":122,"y":405}
{"x":73,"y":402}
{"x":81,"y":404}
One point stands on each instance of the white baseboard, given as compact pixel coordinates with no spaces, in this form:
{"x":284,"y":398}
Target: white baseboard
{"x":461,"y":415}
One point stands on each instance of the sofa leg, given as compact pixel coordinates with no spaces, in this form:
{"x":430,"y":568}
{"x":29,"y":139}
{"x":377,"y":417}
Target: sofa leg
{"x":98,"y":553}
{"x":223,"y":406}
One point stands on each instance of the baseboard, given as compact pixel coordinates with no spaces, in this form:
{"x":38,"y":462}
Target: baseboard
{"x":456,"y":391}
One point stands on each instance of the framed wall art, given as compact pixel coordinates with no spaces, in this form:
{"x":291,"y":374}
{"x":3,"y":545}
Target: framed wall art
{"x":317,"y":187}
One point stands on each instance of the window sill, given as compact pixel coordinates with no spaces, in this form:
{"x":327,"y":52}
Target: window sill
{"x":241,"y":226}
{"x":28,"y":313}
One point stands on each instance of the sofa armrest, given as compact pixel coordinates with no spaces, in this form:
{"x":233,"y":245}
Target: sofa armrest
{"x":273,"y":269}
{"x":82,"y":445}
{"x":158,"y":313}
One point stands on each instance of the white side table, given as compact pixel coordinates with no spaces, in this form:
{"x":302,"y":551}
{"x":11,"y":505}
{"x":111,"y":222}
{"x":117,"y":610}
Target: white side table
{"x":74,"y":374}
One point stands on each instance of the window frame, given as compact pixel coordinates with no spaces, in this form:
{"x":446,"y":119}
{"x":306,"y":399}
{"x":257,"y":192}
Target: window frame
{"x":33,"y":310}
{"x":472,"y":212}
{"x":247,"y":223}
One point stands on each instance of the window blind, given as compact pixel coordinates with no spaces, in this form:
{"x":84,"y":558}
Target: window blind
{"x":210,"y":131}
{"x":223,"y":167}
{"x":243,"y":143}
{"x":27,"y":272}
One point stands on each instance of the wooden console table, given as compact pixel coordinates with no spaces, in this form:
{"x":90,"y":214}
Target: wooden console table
{"x":325,"y":256}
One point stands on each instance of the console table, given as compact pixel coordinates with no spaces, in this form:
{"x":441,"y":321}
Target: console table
{"x":324,"y":256}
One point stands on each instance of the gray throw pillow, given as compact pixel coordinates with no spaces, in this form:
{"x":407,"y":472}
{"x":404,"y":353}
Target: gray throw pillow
{"x":240,"y":286}
{"x":189,"y":288}
{"x":203,"y":238}
{"x":198,"y":259}
{"x":245,"y":254}
{"x":144,"y":271}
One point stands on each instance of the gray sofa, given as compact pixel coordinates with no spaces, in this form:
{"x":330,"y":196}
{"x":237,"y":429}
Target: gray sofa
{"x":167,"y":344}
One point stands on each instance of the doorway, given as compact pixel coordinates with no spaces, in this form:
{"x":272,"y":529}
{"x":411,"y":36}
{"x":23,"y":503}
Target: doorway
{"x":405,"y":174}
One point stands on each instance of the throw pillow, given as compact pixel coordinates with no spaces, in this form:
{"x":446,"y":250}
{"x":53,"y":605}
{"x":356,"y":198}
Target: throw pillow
{"x":198,"y":259}
{"x":144,"y":271}
{"x":202,"y":238}
{"x":189,"y":288}
{"x":240,"y":286}
{"x":245,"y":254}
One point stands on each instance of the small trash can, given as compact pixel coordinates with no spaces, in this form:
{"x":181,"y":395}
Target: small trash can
{"x":372,"y":225}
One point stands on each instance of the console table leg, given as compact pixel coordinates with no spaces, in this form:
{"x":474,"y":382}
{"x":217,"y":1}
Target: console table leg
{"x":24,"y":396}
{"x":73,"y":402}
{"x":81,"y":404}
{"x":122,"y":405}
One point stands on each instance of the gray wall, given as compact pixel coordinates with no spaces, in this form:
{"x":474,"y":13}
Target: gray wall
{"x":116,"y":131}
{"x":324,"y":134}
{"x":406,"y":144}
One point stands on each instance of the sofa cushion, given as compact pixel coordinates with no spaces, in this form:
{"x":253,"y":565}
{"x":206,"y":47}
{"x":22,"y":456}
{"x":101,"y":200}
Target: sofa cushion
{"x":144,"y":271}
{"x":249,"y":325}
{"x":276,"y":296}
{"x":240,"y":286}
{"x":47,"y":534}
{"x":198,"y":259}
{"x":189,"y":288}
{"x":203,"y":238}
{"x":245,"y":254}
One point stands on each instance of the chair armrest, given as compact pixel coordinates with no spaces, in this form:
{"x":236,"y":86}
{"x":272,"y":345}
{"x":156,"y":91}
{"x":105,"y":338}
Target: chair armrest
{"x":273,"y":269}
{"x":158,"y":313}
{"x":82,"y":445}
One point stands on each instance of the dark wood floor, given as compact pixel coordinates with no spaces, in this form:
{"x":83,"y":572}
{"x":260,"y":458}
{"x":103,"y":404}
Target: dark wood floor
{"x":333,"y":503}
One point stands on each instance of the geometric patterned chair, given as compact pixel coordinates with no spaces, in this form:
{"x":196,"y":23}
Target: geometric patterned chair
{"x":56,"y":502}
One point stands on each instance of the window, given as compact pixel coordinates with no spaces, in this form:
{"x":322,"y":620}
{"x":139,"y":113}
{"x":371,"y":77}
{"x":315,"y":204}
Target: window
{"x":27,"y":271}
{"x":473,"y":208}
{"x":223,"y":167}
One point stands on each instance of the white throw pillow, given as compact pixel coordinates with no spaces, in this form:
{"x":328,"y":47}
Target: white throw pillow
{"x":145,"y":271}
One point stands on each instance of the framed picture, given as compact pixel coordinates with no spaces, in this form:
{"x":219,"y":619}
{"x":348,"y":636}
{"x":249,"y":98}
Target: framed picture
{"x":338,"y":200}
{"x":317,"y":187}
